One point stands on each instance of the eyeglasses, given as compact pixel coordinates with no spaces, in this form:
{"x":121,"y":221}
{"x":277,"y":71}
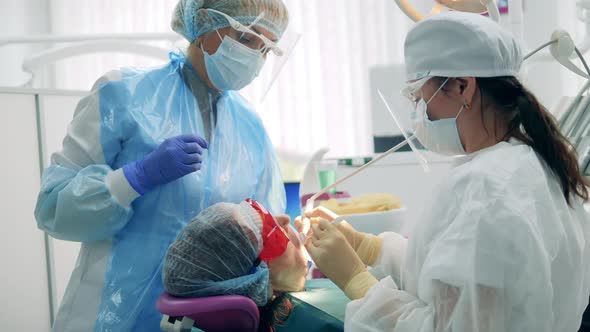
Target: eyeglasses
{"x":412,"y":90}
{"x":274,"y":237}
{"x":412,"y":95}
{"x":252,"y":35}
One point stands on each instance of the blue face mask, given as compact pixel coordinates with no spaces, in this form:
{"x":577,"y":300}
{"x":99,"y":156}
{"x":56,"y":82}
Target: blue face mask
{"x":233,"y":65}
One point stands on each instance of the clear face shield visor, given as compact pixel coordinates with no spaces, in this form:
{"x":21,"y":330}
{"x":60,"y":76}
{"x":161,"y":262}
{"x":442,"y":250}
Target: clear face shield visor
{"x":276,"y":54}
{"x":249,"y":37}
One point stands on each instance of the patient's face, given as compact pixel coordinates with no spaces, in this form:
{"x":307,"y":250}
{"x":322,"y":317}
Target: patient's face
{"x":287,"y":273}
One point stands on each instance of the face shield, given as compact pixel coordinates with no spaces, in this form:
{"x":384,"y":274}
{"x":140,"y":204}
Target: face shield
{"x":249,"y":36}
{"x":260,"y":87}
{"x":275,"y":53}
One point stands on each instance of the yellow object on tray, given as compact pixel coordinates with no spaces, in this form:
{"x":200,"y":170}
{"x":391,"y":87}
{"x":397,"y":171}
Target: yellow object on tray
{"x":364,"y":204}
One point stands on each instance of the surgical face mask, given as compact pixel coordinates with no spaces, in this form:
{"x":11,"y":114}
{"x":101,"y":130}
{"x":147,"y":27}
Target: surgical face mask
{"x":440,"y":136}
{"x":233,"y":65}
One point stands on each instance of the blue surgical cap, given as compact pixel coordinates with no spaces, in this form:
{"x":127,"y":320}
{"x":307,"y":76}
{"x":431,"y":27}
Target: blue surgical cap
{"x":216,"y":254}
{"x":191,"y":19}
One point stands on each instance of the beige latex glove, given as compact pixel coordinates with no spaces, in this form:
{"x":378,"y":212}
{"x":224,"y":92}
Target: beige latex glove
{"x":335,"y":258}
{"x":367,"y":246}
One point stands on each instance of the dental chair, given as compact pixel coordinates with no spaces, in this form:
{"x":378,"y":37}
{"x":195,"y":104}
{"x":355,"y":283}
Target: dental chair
{"x":210,"y":314}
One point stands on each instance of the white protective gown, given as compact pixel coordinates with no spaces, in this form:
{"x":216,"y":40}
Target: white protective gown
{"x":498,"y":249}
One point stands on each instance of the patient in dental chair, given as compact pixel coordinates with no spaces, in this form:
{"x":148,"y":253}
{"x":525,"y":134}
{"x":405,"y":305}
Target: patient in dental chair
{"x":238,"y":249}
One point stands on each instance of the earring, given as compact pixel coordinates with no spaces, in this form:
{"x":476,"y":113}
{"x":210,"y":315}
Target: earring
{"x":466,"y":104}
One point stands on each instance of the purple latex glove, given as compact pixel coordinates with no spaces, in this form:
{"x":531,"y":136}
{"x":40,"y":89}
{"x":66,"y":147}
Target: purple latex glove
{"x":174,"y":158}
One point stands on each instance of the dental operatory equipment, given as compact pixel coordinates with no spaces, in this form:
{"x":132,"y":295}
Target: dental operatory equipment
{"x":408,"y":140}
{"x":310,"y":202}
{"x":338,"y":220}
{"x":473,"y":6}
{"x":575,"y":121}
{"x":562,"y":48}
{"x":575,"y":125}
{"x":562,"y":45}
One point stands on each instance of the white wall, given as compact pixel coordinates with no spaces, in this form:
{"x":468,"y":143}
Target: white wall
{"x":24,"y":303}
{"x":20,"y":18}
{"x":56,"y":113}
{"x":24,"y":282}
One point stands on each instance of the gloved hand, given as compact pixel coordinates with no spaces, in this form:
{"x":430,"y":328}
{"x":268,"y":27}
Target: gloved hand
{"x":174,"y":158}
{"x":353,"y":236}
{"x":338,"y":261}
{"x":367,"y":246}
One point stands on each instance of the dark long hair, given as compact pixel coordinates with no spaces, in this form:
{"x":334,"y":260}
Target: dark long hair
{"x":530,"y":122}
{"x":276,"y":312}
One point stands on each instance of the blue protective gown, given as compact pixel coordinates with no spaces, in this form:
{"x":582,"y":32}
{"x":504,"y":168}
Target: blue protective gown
{"x":85,"y":196}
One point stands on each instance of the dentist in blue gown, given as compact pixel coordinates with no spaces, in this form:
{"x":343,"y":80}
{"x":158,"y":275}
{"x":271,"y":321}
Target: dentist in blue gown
{"x":147,"y":150}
